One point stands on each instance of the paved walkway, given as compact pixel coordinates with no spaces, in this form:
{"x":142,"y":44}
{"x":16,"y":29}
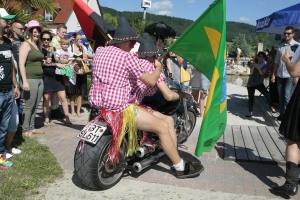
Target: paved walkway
{"x":220,"y":180}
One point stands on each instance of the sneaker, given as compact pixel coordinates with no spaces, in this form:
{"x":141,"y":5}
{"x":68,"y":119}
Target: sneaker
{"x":38,"y":131}
{"x":13,"y":151}
{"x":191,"y":169}
{"x":5,"y":163}
{"x":7,"y":155}
{"x":28,"y":134}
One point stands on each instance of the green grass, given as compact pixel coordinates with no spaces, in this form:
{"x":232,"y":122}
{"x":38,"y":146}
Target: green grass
{"x":34,"y":167}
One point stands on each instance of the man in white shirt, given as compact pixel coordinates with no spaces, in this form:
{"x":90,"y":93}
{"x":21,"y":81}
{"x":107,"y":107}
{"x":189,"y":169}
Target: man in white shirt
{"x":285,"y":83}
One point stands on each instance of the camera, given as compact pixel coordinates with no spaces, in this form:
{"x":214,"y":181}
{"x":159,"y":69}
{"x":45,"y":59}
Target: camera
{"x":294,"y":47}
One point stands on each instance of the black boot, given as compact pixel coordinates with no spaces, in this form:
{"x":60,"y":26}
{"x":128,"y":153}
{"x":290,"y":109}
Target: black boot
{"x":290,"y":187}
{"x":56,"y":114}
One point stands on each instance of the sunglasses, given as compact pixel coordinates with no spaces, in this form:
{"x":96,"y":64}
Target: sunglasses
{"x":285,"y":33}
{"x":46,"y":39}
{"x":21,"y":29}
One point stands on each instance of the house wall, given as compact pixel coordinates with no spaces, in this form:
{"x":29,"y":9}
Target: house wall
{"x":72,"y":22}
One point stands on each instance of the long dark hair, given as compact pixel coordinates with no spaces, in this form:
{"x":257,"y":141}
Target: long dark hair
{"x":46,"y":33}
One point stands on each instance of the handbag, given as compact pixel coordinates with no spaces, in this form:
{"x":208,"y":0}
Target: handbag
{"x":80,"y":68}
{"x":184,"y":75}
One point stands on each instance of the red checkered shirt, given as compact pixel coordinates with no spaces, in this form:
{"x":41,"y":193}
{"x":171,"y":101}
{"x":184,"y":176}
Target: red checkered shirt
{"x":115,"y":73}
{"x":141,"y":90}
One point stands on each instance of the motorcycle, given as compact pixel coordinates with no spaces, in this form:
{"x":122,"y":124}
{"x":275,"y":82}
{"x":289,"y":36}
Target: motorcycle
{"x":92,"y":166}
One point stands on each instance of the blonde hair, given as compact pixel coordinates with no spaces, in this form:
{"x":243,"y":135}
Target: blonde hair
{"x":64,"y":41}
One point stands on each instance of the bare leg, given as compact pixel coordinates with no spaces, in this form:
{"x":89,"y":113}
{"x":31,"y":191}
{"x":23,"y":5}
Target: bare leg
{"x":202,"y":103}
{"x":148,"y":122}
{"x":72,"y":104}
{"x":195,"y":94}
{"x":8,"y":140}
{"x":79,"y":104}
{"x":169,"y":120}
{"x":64,"y":103}
{"x":54,"y":99}
{"x":292,"y":153}
{"x":46,"y":98}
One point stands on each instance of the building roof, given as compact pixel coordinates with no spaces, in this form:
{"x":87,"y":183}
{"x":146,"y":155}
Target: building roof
{"x":64,"y":11}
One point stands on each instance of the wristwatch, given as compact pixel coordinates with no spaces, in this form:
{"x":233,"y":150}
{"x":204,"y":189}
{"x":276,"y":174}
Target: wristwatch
{"x":16,"y":86}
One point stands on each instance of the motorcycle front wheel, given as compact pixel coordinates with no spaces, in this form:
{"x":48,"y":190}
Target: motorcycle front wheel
{"x":190,"y":124}
{"x":92,"y":167}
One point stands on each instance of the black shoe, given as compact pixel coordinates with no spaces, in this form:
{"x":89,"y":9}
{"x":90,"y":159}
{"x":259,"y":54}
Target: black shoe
{"x":191,"y":169}
{"x":198,"y":113}
{"x":56,"y":114}
{"x":279,"y":118}
{"x":287,"y":188}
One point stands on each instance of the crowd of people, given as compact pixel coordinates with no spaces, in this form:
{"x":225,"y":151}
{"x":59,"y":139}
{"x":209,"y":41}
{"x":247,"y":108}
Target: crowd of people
{"x":35,"y":64}
{"x":37,"y":67}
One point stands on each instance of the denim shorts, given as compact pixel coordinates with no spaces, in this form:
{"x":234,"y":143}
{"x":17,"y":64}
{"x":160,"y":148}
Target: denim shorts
{"x":14,"y":120}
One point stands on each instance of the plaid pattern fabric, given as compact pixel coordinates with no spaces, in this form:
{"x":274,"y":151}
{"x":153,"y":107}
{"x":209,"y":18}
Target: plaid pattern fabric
{"x":141,"y":90}
{"x":115,"y":74}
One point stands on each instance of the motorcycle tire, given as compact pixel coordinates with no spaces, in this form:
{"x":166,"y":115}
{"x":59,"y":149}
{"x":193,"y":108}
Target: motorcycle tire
{"x":92,"y":168}
{"x":192,"y":120}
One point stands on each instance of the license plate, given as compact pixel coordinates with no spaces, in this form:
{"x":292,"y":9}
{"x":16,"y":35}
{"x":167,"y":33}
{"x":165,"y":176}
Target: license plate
{"x":92,"y":132}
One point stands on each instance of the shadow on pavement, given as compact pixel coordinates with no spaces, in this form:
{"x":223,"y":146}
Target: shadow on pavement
{"x":242,"y":101}
{"x":261,"y":170}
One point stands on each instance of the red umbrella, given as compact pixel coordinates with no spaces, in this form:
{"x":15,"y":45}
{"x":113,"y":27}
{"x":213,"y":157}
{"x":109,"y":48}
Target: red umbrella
{"x":96,"y":29}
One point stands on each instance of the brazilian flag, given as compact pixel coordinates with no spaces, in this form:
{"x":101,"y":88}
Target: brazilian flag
{"x":203,"y":44}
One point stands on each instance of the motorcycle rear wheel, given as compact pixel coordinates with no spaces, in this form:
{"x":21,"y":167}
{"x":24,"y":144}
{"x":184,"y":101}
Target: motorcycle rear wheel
{"x":92,"y":167}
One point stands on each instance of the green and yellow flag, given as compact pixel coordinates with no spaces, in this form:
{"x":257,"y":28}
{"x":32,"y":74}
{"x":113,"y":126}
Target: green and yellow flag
{"x":203,"y":45}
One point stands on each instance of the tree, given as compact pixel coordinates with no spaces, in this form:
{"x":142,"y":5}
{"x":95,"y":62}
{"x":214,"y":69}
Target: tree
{"x":240,"y":41}
{"x":111,"y":19}
{"x":139,"y":24}
{"x":19,"y":8}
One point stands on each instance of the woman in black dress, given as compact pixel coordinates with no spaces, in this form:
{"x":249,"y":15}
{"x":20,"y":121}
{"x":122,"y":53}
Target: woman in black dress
{"x":290,"y":128}
{"x":52,"y":82}
{"x":80,"y":89}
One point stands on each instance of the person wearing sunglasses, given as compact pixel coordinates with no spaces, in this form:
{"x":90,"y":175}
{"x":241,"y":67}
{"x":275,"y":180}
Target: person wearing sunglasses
{"x":285,"y":83}
{"x":53,"y":83}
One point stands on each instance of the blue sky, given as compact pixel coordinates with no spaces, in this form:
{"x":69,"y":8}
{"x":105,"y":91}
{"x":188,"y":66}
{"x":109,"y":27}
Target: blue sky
{"x":247,"y":11}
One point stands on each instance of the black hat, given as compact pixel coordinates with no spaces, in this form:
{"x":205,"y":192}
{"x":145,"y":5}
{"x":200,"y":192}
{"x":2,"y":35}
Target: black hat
{"x":124,"y":32}
{"x":147,"y":47}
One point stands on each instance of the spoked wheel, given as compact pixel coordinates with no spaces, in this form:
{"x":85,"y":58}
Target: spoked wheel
{"x":188,"y":128}
{"x":191,"y":122}
{"x":110,"y":173}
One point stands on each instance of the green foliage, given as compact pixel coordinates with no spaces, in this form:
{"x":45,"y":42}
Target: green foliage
{"x":17,"y":8}
{"x":135,"y":19}
{"x":111,"y":19}
{"x":139,"y":24}
{"x":240,"y":41}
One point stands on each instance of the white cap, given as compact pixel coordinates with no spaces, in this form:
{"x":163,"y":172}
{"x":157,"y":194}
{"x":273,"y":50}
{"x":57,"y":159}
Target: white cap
{"x":5,"y":15}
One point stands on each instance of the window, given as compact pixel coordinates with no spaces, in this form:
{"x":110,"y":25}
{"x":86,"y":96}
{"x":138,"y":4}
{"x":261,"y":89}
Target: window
{"x":48,"y":17}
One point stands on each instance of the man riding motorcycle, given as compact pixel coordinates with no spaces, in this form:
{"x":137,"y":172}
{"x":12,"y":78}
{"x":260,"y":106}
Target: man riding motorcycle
{"x":115,"y":74}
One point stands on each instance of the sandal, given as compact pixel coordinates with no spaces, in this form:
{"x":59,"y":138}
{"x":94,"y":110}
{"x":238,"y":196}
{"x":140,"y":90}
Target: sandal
{"x":273,"y":110}
{"x":46,"y":123}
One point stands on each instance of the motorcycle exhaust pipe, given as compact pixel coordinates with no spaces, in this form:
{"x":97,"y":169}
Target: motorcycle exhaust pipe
{"x":139,"y":166}
{"x":141,"y":152}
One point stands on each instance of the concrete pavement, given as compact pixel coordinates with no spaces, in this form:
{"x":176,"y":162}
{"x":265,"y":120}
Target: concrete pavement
{"x":220,"y":180}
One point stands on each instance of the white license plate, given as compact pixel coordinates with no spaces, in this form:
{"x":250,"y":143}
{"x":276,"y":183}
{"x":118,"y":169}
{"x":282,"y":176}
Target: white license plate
{"x":92,"y":132}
